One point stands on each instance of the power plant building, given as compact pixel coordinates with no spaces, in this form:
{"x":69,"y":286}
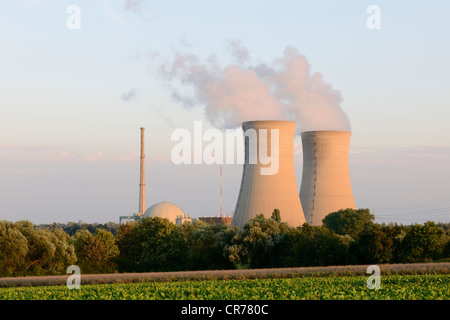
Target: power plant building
{"x":182,"y":219}
{"x":217,"y":219}
{"x":163,"y":209}
{"x":166,"y":210}
{"x":263,"y":190}
{"x":269,"y":181}
{"x":325,"y":185}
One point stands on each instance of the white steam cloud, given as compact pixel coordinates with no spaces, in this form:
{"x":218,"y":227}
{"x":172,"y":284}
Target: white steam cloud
{"x":133,"y":5}
{"x":285,"y":89}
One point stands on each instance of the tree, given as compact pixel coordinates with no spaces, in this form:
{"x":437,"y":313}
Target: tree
{"x":96,"y":252}
{"x":423,"y":242}
{"x":128,"y":244}
{"x":48,"y":252}
{"x":276,"y":215}
{"x":318,"y":246}
{"x":13,"y":249}
{"x":64,"y":254}
{"x":226,"y":244}
{"x":349,"y":221}
{"x":446,"y":251}
{"x":162,"y":246}
{"x":259,"y":241}
{"x":377,"y":244}
{"x":206,"y":245}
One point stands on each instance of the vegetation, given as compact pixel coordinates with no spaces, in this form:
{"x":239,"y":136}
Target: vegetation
{"x":25,"y":250}
{"x":347,"y":237}
{"x":97,"y":252}
{"x":395,"y":287}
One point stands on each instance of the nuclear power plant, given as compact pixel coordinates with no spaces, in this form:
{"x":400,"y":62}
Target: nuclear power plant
{"x":262,"y":193}
{"x":163,"y":209}
{"x":166,"y":210}
{"x":269,"y":180}
{"x":325,"y":186}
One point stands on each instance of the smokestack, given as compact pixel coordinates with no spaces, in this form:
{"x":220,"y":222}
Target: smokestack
{"x":325,"y":184}
{"x":264,"y":189}
{"x":142,"y":180}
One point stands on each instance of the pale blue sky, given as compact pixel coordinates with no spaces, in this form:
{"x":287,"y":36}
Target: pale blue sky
{"x":69,"y":144}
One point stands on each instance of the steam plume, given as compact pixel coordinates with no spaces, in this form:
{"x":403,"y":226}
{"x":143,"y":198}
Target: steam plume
{"x":285,"y":89}
{"x":133,"y":5}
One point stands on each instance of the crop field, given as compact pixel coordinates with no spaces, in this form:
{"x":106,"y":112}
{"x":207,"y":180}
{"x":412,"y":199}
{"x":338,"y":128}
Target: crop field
{"x":393,"y":287}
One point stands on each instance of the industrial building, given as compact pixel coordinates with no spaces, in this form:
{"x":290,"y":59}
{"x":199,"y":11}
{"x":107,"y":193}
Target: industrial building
{"x":182,"y":219}
{"x":217,"y":219}
{"x":164,"y":210}
{"x":262,"y":193}
{"x":325,"y":185}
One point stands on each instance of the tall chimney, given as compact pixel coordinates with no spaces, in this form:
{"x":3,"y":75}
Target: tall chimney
{"x":325,"y":184}
{"x":142,"y":180}
{"x":262,"y":193}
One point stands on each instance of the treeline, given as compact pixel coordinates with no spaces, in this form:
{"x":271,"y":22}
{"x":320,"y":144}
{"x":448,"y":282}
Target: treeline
{"x":154,"y":244}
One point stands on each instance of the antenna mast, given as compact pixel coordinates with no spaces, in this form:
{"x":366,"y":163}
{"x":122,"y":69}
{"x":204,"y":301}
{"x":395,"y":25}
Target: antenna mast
{"x":142,"y":180}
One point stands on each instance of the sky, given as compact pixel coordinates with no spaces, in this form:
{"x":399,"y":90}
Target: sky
{"x":76,"y":86}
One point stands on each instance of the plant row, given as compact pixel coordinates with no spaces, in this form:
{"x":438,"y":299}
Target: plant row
{"x":395,"y":287}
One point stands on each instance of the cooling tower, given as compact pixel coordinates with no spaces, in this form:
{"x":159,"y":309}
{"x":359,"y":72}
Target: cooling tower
{"x":263,"y":188}
{"x":325,"y":184}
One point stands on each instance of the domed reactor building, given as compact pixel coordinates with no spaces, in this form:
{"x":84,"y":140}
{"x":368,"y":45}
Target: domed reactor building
{"x":163,"y":210}
{"x":269,"y":145}
{"x":325,"y":185}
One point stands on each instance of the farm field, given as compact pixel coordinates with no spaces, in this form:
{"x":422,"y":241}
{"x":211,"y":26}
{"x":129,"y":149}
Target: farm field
{"x":393,"y":287}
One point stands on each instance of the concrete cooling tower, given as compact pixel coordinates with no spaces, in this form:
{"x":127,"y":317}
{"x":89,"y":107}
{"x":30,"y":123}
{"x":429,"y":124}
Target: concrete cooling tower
{"x":325,"y":186}
{"x":263,"y":188}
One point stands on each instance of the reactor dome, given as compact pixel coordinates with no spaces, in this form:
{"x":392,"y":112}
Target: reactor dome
{"x":164,"y":210}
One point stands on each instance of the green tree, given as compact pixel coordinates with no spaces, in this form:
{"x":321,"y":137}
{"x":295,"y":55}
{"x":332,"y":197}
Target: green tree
{"x":96,"y":252}
{"x":127,"y":241}
{"x":162,"y":246}
{"x":318,"y":246}
{"x":205,"y":243}
{"x":349,"y":221}
{"x":226,"y":240}
{"x":423,"y":242}
{"x":446,"y":251}
{"x":258,"y":243}
{"x":48,"y":252}
{"x":187,"y":227}
{"x":377,"y":244}
{"x":13,"y":249}
{"x":64,"y":253}
{"x":276,"y":215}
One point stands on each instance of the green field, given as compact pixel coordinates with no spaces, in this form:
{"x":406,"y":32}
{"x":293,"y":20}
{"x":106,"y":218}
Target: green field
{"x":395,"y":287}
